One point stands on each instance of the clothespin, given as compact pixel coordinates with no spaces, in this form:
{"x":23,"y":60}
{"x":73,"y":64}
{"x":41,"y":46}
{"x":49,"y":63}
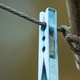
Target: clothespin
{"x":48,"y":50}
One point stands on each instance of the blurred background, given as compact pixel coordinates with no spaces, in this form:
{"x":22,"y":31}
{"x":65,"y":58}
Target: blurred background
{"x":19,"y":41}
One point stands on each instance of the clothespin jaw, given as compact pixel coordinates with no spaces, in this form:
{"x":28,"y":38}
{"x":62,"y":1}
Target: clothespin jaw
{"x":48,"y":53}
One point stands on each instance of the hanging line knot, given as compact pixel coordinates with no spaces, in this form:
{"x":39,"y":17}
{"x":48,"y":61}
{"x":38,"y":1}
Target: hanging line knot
{"x":72,"y":40}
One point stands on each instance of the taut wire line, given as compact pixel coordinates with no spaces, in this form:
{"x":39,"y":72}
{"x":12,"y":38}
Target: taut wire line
{"x":18,"y":13}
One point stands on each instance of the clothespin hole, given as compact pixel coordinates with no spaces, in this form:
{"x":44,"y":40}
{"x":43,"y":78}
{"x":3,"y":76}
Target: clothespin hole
{"x":43,"y":38}
{"x":43,"y":28}
{"x":43,"y":49}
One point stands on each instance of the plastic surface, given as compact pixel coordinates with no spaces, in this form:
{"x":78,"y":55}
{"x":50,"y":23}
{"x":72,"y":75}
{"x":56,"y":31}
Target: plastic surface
{"x":48,"y":51}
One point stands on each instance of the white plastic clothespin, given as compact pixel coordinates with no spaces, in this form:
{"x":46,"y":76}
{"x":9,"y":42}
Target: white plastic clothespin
{"x":48,"y":52}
